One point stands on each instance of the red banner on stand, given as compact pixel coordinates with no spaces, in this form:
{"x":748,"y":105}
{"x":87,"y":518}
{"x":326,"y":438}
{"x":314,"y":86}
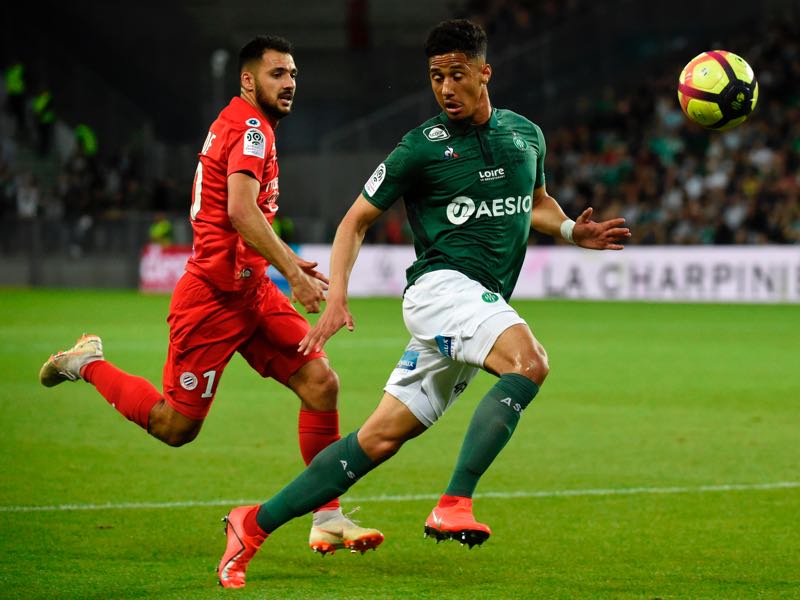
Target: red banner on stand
{"x":161,"y":267}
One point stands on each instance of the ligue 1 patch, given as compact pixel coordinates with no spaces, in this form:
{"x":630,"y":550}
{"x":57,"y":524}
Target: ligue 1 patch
{"x":408,"y":361}
{"x":436,"y":133}
{"x":254,"y":143}
{"x":253,"y":122}
{"x":188,"y":381}
{"x":375,"y":180}
{"x":490,"y":297}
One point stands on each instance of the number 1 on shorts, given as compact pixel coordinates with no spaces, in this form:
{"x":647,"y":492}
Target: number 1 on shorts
{"x":210,"y":377}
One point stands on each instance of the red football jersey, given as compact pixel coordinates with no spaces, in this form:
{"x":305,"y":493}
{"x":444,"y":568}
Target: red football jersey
{"x":240,"y":140}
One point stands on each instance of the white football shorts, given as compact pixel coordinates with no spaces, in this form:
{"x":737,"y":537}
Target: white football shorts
{"x":454,"y":322}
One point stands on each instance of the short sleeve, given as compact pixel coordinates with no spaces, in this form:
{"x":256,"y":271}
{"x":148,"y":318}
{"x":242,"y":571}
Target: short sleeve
{"x":539,"y":182}
{"x":392,"y":178}
{"x":247,"y":151}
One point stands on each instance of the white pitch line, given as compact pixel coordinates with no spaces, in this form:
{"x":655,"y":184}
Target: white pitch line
{"x":732,"y":487}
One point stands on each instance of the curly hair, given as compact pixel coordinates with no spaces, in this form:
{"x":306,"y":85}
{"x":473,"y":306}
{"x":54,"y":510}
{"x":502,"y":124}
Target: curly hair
{"x":456,"y":35}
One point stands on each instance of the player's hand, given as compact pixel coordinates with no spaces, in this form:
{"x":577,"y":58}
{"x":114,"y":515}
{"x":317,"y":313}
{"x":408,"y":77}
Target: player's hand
{"x":606,"y":235}
{"x":308,"y":291}
{"x":309,"y":268}
{"x":335,"y":316}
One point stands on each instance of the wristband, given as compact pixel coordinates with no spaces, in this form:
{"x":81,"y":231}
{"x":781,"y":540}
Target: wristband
{"x":567,"y":225}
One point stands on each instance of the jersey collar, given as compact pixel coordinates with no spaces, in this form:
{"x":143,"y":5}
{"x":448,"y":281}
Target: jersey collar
{"x":463,"y":127}
{"x":248,"y":110}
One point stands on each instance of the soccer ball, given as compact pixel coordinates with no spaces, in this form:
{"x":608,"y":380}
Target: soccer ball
{"x":717,"y":90}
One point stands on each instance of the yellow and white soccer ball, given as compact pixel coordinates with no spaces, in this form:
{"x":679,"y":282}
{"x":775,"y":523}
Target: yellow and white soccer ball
{"x":718,"y":90}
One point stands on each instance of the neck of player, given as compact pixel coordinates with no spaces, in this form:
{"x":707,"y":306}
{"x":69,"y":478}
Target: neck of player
{"x":250,"y":98}
{"x":484,"y":108}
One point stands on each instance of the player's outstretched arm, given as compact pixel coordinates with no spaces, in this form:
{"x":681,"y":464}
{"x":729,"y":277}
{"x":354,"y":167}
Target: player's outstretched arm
{"x":547,"y":217}
{"x":346,"y":245}
{"x":254,"y":228}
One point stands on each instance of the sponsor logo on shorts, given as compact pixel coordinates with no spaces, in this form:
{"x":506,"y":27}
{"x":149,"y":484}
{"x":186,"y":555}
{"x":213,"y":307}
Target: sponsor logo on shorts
{"x":254,"y":143}
{"x":188,"y":380}
{"x":375,"y":180}
{"x":489,"y":297}
{"x":253,"y":122}
{"x":436,"y":133}
{"x":492,"y":174}
{"x":460,"y":387}
{"x":408,"y":361}
{"x":445,"y":344}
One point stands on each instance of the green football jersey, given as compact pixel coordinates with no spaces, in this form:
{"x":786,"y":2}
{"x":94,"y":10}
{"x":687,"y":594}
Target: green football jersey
{"x":468,"y":192}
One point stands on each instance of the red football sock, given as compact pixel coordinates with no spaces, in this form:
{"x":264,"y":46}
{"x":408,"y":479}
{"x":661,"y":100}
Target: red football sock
{"x":251,"y":526}
{"x":132,"y":396}
{"x":446,"y":500}
{"x":317,"y":430}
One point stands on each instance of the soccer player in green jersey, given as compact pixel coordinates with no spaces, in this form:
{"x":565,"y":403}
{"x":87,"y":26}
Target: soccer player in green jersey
{"x":472,"y":179}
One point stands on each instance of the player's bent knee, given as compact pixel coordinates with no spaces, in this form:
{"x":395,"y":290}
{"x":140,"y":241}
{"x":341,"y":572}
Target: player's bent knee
{"x":329,"y":384}
{"x":317,"y":385}
{"x":179,"y":438}
{"x":321,"y":392}
{"x":380,"y":448}
{"x":384,"y":449}
{"x":536,"y":366}
{"x":541,"y":369}
{"x":171,"y":427}
{"x":176,"y":436}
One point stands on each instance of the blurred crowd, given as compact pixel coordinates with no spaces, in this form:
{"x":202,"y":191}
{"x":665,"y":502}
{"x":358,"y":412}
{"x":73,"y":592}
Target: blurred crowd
{"x":630,"y":152}
{"x":509,"y":22}
{"x":52,"y":169}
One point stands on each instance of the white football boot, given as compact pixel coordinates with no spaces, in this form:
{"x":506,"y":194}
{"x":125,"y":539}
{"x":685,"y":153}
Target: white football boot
{"x":67,"y":365}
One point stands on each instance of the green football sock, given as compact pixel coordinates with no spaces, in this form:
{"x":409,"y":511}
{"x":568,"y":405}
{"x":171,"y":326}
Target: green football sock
{"x":328,"y":476}
{"x":493,"y":422}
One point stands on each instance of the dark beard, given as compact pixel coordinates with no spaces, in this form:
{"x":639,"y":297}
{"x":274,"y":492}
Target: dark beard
{"x":268,"y":109}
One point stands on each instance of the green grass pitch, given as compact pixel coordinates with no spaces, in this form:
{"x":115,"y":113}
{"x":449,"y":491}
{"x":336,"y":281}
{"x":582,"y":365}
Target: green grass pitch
{"x":640,"y":396}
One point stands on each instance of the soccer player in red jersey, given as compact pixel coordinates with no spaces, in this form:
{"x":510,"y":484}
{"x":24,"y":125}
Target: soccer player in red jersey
{"x":225,"y":303}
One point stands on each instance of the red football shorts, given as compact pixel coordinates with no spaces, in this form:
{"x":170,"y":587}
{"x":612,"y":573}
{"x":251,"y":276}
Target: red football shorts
{"x":206,"y":326}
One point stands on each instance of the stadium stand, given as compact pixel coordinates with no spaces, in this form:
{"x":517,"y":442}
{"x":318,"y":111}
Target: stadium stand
{"x":625,"y":147}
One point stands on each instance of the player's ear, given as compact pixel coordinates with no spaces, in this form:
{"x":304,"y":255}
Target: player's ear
{"x":486,"y":73}
{"x":246,"y":81}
